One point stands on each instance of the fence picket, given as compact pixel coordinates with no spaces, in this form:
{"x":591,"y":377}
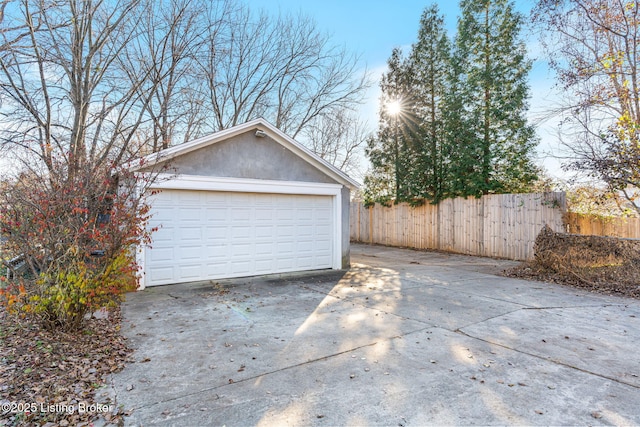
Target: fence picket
{"x":499,"y":225}
{"x":600,"y":226}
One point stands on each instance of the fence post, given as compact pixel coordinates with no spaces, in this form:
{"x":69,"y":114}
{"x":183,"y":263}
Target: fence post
{"x":371,"y":224}
{"x":359,"y":206}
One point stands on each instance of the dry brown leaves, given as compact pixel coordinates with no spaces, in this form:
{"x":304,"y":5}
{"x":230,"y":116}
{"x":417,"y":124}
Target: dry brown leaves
{"x":600,"y":264}
{"x":50,"y":378}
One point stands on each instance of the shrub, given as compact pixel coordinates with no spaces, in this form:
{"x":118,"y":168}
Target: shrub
{"x":76,"y":237}
{"x":62,"y":297}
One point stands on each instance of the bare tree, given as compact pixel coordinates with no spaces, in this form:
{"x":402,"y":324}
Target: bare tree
{"x":62,"y":87}
{"x":94,"y":81}
{"x":171,"y":37}
{"x":283,"y":69}
{"x":594,"y":49}
{"x":338,"y":138}
{"x":11,"y":32}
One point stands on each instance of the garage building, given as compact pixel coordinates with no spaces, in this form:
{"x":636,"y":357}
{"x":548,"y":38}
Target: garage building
{"x":245,"y":201}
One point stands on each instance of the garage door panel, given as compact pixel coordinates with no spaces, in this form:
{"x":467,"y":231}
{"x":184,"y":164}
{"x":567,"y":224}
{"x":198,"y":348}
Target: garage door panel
{"x":321,"y":259}
{"x":305,"y":219}
{"x":284,"y":214}
{"x":241,"y":268}
{"x":163,"y":236}
{"x":284,"y":231}
{"x":161,"y":274}
{"x":189,"y":272}
{"x":216,"y":234}
{"x":284,"y":247}
{"x":264,"y":249}
{"x":241,"y":232}
{"x":217,"y":214}
{"x":323,"y":245}
{"x":322,"y":215}
{"x":241,"y":215}
{"x":187,"y":197}
{"x":166,"y":213}
{"x":241,"y":199}
{"x":162,"y":254}
{"x":212,"y":268}
{"x":267,"y":200}
{"x":207,"y":235}
{"x":263,"y":267}
{"x":215,"y":252}
{"x":190,"y":214}
{"x":218,"y":202}
{"x":241,"y":249}
{"x":189,"y":253}
{"x":304,"y":262}
{"x":264,"y":215}
{"x":191,"y":233}
{"x":304,"y":247}
{"x":322,"y":230}
{"x":285,"y":264}
{"x":305,"y":233}
{"x":265,"y":231}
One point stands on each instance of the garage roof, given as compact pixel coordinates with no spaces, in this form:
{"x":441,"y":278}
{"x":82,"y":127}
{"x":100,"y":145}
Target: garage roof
{"x":259,"y":124}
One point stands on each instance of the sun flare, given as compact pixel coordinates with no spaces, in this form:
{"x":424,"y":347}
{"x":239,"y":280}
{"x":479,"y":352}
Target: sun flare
{"x":394,"y":107}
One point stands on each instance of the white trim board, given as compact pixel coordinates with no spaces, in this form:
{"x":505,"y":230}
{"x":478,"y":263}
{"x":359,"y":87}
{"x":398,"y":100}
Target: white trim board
{"x":243,"y":185}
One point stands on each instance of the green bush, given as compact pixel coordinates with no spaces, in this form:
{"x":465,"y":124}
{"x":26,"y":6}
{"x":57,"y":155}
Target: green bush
{"x":65,"y":293}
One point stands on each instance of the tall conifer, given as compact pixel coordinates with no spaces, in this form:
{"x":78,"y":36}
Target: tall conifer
{"x":388,"y":150}
{"x":497,"y":154}
{"x":428,"y":63}
{"x":462,"y":129}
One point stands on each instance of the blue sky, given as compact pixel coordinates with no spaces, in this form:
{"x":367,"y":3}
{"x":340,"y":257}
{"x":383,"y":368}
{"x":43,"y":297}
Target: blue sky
{"x":373,"y":28}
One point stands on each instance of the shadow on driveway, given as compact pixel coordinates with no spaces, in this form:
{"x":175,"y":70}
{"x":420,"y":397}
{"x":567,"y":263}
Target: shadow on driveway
{"x":403,"y":338}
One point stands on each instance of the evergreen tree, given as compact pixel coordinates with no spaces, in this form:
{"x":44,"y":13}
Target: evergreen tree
{"x":462,"y":129}
{"x":428,"y":63}
{"x":462,"y":161}
{"x":496,"y":154}
{"x":388,"y":150}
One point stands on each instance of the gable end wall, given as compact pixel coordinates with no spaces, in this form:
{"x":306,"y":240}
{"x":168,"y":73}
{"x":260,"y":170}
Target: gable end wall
{"x":247,"y":156}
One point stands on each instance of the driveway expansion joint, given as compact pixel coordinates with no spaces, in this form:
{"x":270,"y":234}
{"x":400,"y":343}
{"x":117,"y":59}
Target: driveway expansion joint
{"x":486,"y":320}
{"x":561,"y":307}
{"x":550,"y":359}
{"x":240,"y":381}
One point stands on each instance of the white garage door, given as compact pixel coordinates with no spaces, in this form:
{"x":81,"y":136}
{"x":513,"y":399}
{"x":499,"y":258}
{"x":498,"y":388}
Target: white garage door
{"x":208,"y":235}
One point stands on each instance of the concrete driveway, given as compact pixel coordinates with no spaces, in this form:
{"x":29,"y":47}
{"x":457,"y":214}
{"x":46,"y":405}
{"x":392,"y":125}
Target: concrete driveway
{"x":404,"y":338}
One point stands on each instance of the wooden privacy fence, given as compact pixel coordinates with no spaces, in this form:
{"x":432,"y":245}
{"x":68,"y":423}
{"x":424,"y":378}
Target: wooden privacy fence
{"x":598,"y":226}
{"x":500,"y":225}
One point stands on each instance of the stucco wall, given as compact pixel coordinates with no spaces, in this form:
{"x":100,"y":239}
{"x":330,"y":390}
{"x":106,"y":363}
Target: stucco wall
{"x":346,"y":240}
{"x":247,"y":156}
